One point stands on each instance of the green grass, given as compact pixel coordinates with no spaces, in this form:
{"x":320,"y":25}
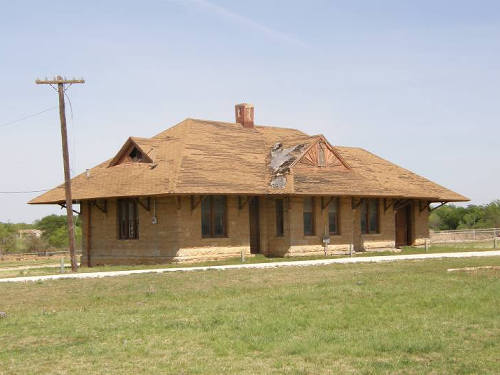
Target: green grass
{"x":408,"y":317}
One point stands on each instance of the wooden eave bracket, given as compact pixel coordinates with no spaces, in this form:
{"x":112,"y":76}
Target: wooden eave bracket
{"x":328,"y":201}
{"x":63,"y":205}
{"x":439,"y":205}
{"x":178,"y":201}
{"x":195,"y":202}
{"x":423,"y":205}
{"x":103,"y":206}
{"x":242,"y":201}
{"x":400,"y":203}
{"x":355,"y":204}
{"x":146,"y":203}
{"x":388,"y":203}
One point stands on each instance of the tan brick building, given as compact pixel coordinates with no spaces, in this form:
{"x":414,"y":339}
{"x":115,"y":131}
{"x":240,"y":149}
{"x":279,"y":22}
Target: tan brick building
{"x":210,"y":190}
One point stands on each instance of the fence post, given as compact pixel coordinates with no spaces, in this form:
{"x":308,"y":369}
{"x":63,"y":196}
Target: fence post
{"x":242,"y":256}
{"x":62,"y":264}
{"x":427,"y":244}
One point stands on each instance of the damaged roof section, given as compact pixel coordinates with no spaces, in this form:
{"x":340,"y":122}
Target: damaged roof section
{"x":281,"y":160}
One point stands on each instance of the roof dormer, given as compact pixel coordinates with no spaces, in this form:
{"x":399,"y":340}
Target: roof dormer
{"x":321,"y":154}
{"x":131,"y":152}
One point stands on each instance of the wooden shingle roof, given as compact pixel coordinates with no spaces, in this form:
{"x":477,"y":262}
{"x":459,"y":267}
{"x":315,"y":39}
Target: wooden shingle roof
{"x":210,"y":157}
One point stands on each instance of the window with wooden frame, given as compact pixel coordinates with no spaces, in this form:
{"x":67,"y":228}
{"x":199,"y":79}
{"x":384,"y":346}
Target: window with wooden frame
{"x":369,"y":216}
{"x":135,"y":155}
{"x":333,"y":216}
{"x":309,"y":216}
{"x":214,"y":216}
{"x":280,"y":222}
{"x":128,"y":222}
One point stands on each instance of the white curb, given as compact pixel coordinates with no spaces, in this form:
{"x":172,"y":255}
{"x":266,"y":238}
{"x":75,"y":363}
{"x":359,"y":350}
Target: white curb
{"x":296,"y":263}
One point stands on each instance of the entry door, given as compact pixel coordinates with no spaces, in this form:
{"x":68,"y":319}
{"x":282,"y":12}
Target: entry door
{"x":403,"y":226}
{"x":253,"y":207}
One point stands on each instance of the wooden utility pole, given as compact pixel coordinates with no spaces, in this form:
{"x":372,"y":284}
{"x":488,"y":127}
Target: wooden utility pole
{"x":60,"y":82}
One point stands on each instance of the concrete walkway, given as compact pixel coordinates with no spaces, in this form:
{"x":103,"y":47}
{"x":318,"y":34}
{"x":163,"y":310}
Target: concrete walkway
{"x":295,"y":263}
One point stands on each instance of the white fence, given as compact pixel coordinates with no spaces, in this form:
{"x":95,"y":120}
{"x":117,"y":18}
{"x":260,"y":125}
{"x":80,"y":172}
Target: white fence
{"x":475,"y":238}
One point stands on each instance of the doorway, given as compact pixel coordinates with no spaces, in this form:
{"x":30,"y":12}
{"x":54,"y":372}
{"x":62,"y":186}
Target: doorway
{"x":253,"y":207}
{"x":403,"y":226}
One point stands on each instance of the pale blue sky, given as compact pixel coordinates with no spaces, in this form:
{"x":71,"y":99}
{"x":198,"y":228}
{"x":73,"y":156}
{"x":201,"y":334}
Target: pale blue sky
{"x":416,"y":82}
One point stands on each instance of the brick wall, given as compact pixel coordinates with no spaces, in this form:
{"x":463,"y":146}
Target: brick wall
{"x":420,"y":229}
{"x":177,"y":235}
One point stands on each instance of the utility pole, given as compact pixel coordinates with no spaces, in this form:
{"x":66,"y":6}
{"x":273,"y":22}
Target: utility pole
{"x":60,"y":82}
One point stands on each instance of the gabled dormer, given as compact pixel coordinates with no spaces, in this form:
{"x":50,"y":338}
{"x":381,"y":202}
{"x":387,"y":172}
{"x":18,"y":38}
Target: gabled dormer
{"x":321,"y":154}
{"x":132,"y":152}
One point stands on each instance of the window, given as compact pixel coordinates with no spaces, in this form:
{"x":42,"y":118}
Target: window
{"x":369,"y":216}
{"x":321,"y":155}
{"x":333,"y":216}
{"x":136,"y":155}
{"x":280,"y":227}
{"x":309,"y":216}
{"x":128,"y":223}
{"x":213,"y":216}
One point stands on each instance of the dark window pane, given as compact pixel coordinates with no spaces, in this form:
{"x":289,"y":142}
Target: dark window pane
{"x":127,"y":219}
{"x":308,"y":216}
{"x":205,"y":217}
{"x":373,"y":215}
{"x":333,"y":217}
{"x":279,"y":217}
{"x":131,"y":219}
{"x":364,"y":214}
{"x":219,"y":207}
{"x":308,"y":224}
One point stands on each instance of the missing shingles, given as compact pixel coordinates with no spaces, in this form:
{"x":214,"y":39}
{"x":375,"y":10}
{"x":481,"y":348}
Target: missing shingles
{"x":281,"y":160}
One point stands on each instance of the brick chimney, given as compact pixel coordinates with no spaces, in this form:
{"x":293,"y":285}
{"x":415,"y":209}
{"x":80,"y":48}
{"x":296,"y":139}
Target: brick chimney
{"x":244,"y":114}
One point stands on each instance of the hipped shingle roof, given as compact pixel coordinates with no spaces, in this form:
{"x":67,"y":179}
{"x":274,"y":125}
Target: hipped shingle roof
{"x":208,"y":157}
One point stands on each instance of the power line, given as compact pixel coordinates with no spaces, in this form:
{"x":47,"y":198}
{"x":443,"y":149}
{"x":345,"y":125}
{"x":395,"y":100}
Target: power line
{"x":27,"y":117}
{"x":24,"y":192}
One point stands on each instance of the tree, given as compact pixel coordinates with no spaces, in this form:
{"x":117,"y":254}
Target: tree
{"x":54,"y":230}
{"x":472,"y":216}
{"x":492,"y":214}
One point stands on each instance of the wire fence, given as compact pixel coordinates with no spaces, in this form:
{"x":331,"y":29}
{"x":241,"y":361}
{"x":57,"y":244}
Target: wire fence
{"x":467,"y":238}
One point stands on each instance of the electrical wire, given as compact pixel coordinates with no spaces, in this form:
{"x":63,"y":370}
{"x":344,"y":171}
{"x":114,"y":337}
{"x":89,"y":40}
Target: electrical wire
{"x":24,"y":192}
{"x":27,"y":117}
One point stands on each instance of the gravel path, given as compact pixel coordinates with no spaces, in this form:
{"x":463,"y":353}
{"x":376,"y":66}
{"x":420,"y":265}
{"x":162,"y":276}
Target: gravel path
{"x":296,"y":263}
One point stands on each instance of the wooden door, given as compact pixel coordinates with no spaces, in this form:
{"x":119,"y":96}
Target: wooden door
{"x":254,"y":225}
{"x":403,"y":226}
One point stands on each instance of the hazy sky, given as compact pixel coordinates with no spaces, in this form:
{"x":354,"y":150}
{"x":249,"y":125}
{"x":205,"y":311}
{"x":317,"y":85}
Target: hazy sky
{"x":416,"y":82}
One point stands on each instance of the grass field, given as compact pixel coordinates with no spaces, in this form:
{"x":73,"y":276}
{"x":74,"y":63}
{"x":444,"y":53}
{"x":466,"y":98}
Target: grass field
{"x":404,"y":317}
